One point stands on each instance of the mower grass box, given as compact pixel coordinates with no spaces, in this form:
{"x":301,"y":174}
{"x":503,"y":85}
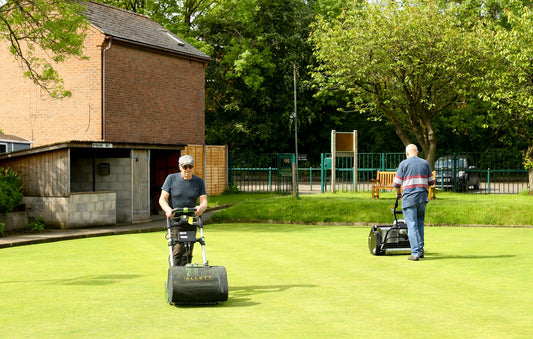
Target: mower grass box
{"x":192,"y":284}
{"x":390,"y":239}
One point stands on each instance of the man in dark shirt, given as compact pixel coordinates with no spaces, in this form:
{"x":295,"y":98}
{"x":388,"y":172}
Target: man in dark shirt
{"x":183,"y":189}
{"x":411,"y":182}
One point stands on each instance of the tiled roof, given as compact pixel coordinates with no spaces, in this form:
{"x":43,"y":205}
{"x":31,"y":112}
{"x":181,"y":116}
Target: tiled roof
{"x":13,"y":138}
{"x":136,"y":28}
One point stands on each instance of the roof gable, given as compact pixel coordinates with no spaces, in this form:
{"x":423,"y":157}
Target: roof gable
{"x":13,"y":138}
{"x":136,"y":28}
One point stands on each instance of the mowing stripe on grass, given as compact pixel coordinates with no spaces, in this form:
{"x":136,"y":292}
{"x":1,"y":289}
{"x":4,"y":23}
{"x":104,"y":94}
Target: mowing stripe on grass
{"x":285,"y":281}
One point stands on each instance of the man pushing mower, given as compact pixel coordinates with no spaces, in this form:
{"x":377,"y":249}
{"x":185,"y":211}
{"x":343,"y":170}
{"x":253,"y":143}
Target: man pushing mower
{"x":412,"y":179}
{"x":180,"y":190}
{"x":189,"y":283}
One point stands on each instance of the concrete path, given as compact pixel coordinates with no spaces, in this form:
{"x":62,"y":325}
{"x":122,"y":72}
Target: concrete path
{"x":157,"y":223}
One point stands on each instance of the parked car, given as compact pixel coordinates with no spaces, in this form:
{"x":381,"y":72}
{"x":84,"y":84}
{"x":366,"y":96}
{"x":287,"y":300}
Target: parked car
{"x":465,"y":175}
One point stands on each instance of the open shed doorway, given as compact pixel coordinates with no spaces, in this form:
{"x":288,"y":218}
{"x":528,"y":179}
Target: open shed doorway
{"x":162,"y":163}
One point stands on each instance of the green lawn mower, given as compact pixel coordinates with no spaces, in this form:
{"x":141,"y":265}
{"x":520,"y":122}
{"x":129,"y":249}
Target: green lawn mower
{"x":192,"y":284}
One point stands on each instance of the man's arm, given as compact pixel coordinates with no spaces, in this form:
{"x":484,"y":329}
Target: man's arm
{"x":163,"y":202}
{"x":398,"y":192}
{"x":203,"y":205}
{"x":397,"y":182}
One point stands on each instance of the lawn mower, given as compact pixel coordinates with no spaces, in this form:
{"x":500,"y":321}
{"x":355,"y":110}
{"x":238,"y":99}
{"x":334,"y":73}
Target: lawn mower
{"x":390,"y":239}
{"x":192,"y":284}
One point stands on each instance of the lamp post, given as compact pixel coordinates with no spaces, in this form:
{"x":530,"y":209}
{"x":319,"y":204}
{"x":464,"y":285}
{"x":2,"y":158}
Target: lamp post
{"x":295,"y":167}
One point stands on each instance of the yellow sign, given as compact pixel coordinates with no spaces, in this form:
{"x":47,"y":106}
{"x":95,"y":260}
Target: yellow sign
{"x":344,"y":142}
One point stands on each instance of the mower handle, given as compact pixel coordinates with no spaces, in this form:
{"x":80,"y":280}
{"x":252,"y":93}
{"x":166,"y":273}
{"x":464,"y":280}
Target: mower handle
{"x":179,"y":211}
{"x":190,"y":211}
{"x":186,"y":211}
{"x":394,"y":211}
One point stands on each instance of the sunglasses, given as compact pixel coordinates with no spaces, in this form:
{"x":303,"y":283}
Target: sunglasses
{"x":187,"y":166}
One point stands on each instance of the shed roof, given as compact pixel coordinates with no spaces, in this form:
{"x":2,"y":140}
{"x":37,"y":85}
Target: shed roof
{"x":13,"y":138}
{"x":101,"y":145}
{"x":138,"y":29}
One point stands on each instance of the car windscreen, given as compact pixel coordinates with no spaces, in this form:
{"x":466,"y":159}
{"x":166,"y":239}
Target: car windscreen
{"x":448,"y":163}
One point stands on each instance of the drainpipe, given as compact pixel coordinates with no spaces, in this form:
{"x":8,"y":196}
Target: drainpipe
{"x":103,"y":85}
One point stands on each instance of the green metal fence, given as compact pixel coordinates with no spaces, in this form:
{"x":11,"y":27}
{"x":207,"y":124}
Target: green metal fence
{"x":261,"y":172}
{"x":498,"y":173}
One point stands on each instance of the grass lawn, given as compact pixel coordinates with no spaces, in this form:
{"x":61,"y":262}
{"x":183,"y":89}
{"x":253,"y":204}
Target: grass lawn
{"x":286,"y":281}
{"x":452,"y":209}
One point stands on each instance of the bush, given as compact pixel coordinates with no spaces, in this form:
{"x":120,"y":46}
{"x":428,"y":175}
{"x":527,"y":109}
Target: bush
{"x":2,"y":229}
{"x":10,"y":190}
{"x":231,"y":189}
{"x":35,"y":224}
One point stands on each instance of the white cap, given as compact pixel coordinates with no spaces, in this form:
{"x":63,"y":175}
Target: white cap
{"x":186,"y":160}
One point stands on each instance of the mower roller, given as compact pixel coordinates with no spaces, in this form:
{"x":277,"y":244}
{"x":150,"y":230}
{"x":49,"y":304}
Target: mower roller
{"x":192,"y":284}
{"x":390,"y":239}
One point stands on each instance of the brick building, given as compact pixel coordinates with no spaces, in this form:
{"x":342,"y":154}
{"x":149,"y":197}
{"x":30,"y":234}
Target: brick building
{"x":137,"y":102}
{"x":140,"y":83}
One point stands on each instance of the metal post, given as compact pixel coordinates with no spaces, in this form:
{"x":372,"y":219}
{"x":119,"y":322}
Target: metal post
{"x":333,"y":160}
{"x":488,"y":180}
{"x":311,"y":178}
{"x":294,"y":183}
{"x":454,"y":173}
{"x":295,"y":170}
{"x":322,"y":172}
{"x":355,"y":162}
{"x":270,"y":178}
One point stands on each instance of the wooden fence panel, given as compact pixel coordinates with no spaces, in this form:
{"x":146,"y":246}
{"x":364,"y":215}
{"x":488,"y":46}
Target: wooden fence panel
{"x":43,"y":175}
{"x":211,"y":164}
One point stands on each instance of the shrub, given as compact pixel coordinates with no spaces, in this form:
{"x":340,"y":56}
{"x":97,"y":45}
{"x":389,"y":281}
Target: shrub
{"x":35,"y":224}
{"x":231,"y":189}
{"x":10,"y":190}
{"x":2,"y":229}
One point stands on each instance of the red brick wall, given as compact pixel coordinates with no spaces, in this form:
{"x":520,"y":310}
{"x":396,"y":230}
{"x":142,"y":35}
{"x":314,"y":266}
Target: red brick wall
{"x":28,"y":112}
{"x":153,"y":97}
{"x":150,"y":97}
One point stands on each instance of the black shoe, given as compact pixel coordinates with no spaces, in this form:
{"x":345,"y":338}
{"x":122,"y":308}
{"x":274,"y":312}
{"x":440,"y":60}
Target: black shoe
{"x":413,"y":257}
{"x":421,"y":255}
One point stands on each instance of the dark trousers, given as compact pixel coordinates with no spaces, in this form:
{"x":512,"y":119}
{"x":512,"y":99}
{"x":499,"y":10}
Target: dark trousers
{"x":181,"y":252}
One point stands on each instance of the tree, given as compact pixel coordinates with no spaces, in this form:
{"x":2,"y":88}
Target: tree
{"x":508,"y":84}
{"x":254,"y":45}
{"x":40,"y":34}
{"x":403,"y":61}
{"x":250,"y":80}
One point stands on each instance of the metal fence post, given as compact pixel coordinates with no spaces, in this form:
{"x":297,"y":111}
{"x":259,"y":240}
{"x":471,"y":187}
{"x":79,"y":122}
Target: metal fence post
{"x":322,"y":165}
{"x":270,"y":178}
{"x":488,"y":180}
{"x":454,"y":175}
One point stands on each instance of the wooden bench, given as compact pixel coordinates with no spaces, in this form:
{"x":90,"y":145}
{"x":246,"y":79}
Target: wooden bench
{"x":384,"y":182}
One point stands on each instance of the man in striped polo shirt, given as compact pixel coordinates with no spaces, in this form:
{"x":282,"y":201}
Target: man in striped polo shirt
{"x":411,"y":182}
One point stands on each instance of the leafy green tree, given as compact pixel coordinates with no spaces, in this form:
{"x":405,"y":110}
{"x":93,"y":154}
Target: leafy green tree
{"x":40,"y":34}
{"x":406,"y":62}
{"x":508,"y":83}
{"x":256,"y":44}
